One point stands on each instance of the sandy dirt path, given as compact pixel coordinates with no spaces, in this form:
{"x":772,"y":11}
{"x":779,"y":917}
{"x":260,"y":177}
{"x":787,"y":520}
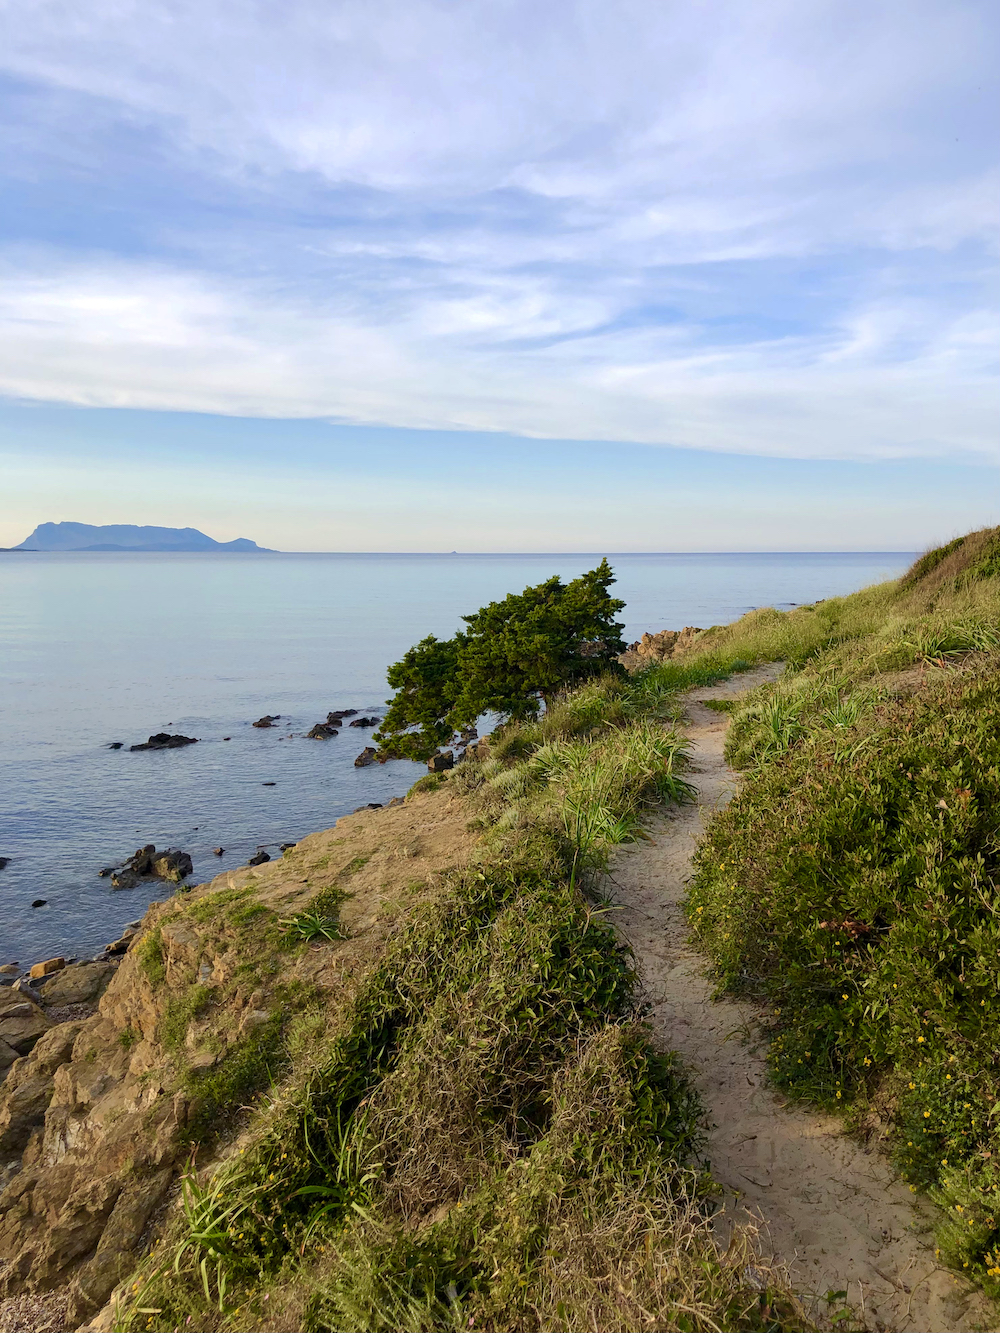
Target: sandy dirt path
{"x":831,"y":1210}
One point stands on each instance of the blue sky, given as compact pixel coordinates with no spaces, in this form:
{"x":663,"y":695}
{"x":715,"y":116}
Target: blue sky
{"x":416,"y":276}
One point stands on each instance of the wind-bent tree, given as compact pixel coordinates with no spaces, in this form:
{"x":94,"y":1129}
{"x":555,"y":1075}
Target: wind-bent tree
{"x":514,"y":656}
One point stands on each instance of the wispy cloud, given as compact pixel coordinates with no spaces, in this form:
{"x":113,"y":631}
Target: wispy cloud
{"x":762,"y":228}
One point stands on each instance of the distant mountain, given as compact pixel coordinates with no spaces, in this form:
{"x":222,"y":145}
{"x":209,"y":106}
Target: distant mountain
{"x":126,"y":537}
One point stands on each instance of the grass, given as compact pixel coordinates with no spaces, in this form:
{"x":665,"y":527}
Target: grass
{"x":481,"y":1135}
{"x":853,"y":885}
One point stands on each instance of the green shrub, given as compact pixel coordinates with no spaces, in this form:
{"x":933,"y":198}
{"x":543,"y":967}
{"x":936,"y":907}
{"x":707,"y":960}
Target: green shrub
{"x":149,"y":956}
{"x":854,"y":884}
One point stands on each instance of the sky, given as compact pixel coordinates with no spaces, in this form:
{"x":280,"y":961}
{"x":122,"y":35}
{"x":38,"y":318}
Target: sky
{"x":434,"y":275}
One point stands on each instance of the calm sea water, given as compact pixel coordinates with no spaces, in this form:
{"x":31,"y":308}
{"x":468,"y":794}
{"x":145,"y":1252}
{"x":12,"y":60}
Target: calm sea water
{"x":103,"y":647}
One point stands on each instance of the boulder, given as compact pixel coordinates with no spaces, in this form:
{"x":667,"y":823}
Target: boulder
{"x":79,"y":983}
{"x":163,"y":741}
{"x":115,"y":745}
{"x":39,"y":902}
{"x":287,"y":846}
{"x":7,"y":1057}
{"x":338,"y":714}
{"x":27,"y":1090}
{"x":440,"y":763}
{"x":46,"y":968}
{"x":367,"y":756}
{"x":4,"y":862}
{"x":267,"y":720}
{"x":10,"y":970}
{"x":218,"y":851}
{"x":322,"y":731}
{"x":22,"y":1021}
{"x":365,"y":722}
{"x":172,"y":864}
{"x":259,"y":859}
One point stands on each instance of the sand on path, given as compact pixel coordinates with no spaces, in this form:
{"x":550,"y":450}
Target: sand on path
{"x":830,"y":1209}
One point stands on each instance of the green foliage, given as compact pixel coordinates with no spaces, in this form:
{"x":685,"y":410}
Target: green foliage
{"x":149,"y":955}
{"x":514,"y":653}
{"x":312,"y":925}
{"x":986,"y":565}
{"x":854,"y":884}
{"x":491,"y":1068}
{"x":427,"y":684}
{"x":248,"y":1066}
{"x":929,"y":562}
{"x":180,"y":1012}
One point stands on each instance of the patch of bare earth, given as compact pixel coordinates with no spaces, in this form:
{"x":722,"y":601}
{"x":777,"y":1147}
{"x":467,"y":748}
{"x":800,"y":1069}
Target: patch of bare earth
{"x":829,"y":1207}
{"x":34,"y":1314}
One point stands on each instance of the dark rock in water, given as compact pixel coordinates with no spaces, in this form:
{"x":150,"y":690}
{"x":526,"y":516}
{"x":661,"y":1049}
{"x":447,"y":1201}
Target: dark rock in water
{"x":227,"y":738}
{"x":259,"y":859}
{"x":287,"y":846}
{"x":218,"y":851}
{"x":170,"y":864}
{"x":440,"y":763}
{"x":39,"y":902}
{"x":268,"y":784}
{"x":367,"y":756}
{"x":108,"y":870}
{"x":115,"y":745}
{"x":4,"y":862}
{"x":340,"y":713}
{"x":365,"y":722}
{"x":267,"y":720}
{"x":125,"y":879}
{"x":322,"y":731}
{"x":141,"y":861}
{"x":163,"y":741}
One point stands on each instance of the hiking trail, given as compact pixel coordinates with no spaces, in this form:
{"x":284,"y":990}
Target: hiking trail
{"x":830,"y":1209}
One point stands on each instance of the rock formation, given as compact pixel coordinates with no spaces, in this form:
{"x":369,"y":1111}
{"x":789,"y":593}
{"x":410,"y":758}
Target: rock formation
{"x":163,"y":741}
{"x":668,"y":645}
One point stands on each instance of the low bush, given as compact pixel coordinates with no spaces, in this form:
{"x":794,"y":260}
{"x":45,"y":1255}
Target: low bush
{"x":853,"y":885}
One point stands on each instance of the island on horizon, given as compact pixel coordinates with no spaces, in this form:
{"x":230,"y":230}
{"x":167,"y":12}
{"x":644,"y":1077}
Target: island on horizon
{"x":128,"y":537}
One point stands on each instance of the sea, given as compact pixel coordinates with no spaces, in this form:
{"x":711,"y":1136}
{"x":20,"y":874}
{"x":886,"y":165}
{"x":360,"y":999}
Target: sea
{"x":98,"y":648}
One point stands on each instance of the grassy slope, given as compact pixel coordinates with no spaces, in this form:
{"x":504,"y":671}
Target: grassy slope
{"x":854,"y":884}
{"x":482,"y":1136}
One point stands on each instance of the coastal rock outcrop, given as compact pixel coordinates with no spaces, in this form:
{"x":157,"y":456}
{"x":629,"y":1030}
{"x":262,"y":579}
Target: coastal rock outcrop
{"x":78,"y":983}
{"x":364,"y":722}
{"x":663,"y":647}
{"x":369,"y":755}
{"x":171,"y":865}
{"x":267,"y":720}
{"x":164,"y":741}
{"x":98,"y":1120}
{"x":440,"y":763}
{"x":322,"y":731}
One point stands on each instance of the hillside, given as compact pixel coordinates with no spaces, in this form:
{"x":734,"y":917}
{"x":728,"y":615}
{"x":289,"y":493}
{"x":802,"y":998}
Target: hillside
{"x":403,"y":1078}
{"x":126,"y":537}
